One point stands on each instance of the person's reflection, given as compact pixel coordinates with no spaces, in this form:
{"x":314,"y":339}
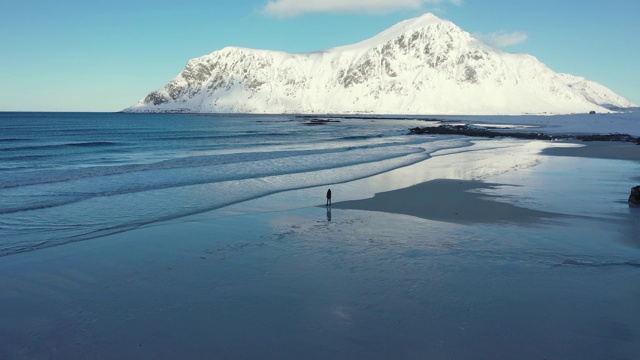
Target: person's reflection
{"x":328,"y":214}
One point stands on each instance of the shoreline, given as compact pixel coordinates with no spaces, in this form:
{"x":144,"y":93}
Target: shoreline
{"x":463,"y":201}
{"x":463,"y":186}
{"x":449,"y":200}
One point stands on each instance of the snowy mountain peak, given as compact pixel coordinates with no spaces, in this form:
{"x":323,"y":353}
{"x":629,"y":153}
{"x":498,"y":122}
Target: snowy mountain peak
{"x":424,"y":65}
{"x":416,"y":25}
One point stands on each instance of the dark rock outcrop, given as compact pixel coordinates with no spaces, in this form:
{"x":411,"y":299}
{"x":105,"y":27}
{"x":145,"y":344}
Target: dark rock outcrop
{"x":313,"y":122}
{"x":466,"y":130}
{"x":609,"y":137}
{"x":634,"y":198}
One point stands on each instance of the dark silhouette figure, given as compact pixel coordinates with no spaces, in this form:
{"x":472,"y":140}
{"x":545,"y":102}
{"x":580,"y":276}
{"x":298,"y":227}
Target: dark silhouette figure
{"x":329,"y":197}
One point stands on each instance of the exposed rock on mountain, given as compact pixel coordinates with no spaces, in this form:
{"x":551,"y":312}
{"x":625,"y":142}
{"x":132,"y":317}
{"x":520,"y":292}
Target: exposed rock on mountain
{"x":420,"y":66}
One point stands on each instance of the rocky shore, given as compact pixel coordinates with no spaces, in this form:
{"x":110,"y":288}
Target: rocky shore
{"x":466,"y":130}
{"x":634,"y":197}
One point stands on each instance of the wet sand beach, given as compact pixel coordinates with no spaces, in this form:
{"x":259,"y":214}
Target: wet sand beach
{"x":499,"y":253}
{"x":459,"y":201}
{"x":600,"y":150}
{"x":450,"y":201}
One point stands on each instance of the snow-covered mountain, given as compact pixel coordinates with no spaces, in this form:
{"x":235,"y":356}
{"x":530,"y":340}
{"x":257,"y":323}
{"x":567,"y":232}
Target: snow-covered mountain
{"x":424,"y":65}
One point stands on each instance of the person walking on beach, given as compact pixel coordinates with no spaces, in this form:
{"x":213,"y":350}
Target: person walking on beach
{"x":329,"y":197}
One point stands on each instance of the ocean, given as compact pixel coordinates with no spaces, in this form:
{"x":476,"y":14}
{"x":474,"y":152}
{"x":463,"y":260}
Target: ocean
{"x":66,"y":177}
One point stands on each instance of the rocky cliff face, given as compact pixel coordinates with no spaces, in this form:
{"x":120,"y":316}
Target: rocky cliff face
{"x":420,"y":66}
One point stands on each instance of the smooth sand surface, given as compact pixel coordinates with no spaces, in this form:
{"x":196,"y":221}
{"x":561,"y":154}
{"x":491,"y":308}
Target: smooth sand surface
{"x":292,"y":285}
{"x":598,"y":149}
{"x":447,"y":200}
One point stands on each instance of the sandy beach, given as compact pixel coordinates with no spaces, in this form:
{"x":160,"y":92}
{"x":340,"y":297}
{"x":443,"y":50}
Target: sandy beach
{"x":600,"y":150}
{"x":449,"y":201}
{"x":499,"y":253}
{"x":458,"y":201}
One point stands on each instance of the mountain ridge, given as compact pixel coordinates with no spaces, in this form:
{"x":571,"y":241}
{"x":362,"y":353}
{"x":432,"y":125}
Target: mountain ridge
{"x":420,"y":66}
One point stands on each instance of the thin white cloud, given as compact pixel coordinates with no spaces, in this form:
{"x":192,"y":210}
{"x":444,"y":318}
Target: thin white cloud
{"x":290,"y":8}
{"x":502,"y":39}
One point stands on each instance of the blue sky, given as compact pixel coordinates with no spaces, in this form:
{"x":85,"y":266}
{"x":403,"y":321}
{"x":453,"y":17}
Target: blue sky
{"x":105,"y":55}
